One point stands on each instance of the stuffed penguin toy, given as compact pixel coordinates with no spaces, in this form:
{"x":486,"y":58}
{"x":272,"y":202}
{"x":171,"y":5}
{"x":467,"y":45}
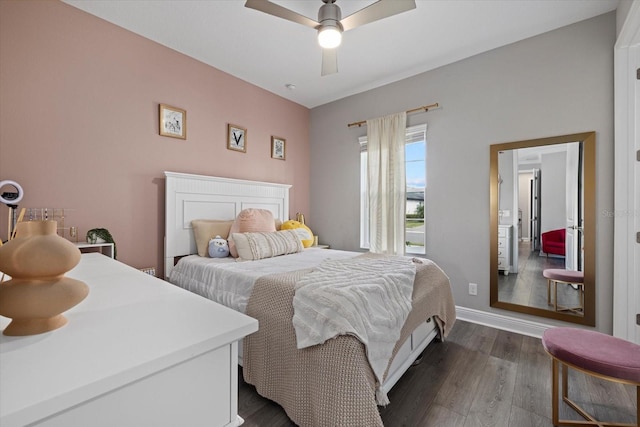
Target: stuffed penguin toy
{"x":218,"y":247}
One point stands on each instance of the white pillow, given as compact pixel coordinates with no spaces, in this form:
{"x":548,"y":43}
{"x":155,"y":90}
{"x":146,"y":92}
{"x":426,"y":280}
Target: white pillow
{"x":254,"y":246}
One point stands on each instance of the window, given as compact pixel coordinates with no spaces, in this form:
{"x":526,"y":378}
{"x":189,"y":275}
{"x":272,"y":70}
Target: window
{"x":416,"y":173}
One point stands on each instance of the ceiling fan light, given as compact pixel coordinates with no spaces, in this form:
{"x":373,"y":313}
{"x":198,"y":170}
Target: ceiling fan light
{"x":329,"y":37}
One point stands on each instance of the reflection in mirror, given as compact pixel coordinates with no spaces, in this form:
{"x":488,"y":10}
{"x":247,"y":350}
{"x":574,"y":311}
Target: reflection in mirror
{"x":542,"y":227}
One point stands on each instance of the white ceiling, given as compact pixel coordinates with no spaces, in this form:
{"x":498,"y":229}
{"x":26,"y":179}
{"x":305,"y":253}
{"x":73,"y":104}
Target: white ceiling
{"x":271,"y":52}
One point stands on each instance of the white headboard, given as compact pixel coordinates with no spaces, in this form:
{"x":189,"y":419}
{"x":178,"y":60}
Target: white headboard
{"x":189,"y":197}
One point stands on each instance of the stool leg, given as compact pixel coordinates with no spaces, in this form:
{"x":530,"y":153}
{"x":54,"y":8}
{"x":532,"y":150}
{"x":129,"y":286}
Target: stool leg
{"x":555,"y":301}
{"x":548,"y":291}
{"x":565,"y":382}
{"x":589,"y":419}
{"x":554,"y":392}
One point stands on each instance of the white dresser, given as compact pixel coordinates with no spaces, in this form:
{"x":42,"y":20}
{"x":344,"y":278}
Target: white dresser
{"x":137,"y":351}
{"x":504,"y":248}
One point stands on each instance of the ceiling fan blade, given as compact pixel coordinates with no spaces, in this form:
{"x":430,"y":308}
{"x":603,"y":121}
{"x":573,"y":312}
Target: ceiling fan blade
{"x":378,"y":10}
{"x":329,"y":61}
{"x":281,"y":12}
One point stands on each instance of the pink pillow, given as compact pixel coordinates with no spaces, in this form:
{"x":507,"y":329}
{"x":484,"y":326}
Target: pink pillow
{"x":251,"y":221}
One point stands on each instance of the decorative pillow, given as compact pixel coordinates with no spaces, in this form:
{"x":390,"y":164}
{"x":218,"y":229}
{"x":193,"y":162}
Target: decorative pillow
{"x":206,"y":229}
{"x":218,"y":247}
{"x":253,"y":246}
{"x":251,"y":220}
{"x":304,"y":233}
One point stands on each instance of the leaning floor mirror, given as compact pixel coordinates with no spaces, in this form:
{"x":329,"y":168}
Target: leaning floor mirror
{"x":542,"y":201}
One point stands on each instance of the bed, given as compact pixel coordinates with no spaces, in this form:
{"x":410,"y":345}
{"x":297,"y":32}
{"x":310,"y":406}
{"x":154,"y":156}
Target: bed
{"x":328,"y":384}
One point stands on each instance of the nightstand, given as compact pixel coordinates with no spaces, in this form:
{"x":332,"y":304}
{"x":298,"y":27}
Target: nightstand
{"x":320,"y":246}
{"x":104,"y":248}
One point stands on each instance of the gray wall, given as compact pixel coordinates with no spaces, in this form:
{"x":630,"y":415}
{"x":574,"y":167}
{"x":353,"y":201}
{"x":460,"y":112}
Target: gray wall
{"x":557,"y":83}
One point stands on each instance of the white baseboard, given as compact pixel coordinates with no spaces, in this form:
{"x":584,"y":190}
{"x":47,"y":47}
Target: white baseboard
{"x":498,"y":321}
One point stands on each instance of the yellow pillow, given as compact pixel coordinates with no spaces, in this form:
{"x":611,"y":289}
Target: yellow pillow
{"x":304,"y":232}
{"x":206,"y":229}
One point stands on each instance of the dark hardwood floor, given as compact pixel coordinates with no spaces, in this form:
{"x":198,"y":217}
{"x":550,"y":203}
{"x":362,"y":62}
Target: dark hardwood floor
{"x":529,"y":287}
{"x":479,"y":376}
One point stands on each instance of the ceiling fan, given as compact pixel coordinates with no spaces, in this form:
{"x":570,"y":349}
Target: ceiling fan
{"x":330,"y":24}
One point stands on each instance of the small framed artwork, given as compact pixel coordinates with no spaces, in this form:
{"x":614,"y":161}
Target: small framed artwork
{"x":236,"y":138}
{"x":173,"y":122}
{"x":277,"y":148}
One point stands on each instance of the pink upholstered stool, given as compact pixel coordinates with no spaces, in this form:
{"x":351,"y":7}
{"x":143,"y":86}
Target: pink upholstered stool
{"x":595,"y":354}
{"x":569,"y":277}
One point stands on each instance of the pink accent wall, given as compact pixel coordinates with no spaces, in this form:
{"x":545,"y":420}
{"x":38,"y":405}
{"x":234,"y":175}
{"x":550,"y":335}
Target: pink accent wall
{"x":79,"y":124}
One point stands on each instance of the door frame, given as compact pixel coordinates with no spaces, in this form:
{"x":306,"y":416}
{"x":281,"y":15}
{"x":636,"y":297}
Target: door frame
{"x":626,"y":292}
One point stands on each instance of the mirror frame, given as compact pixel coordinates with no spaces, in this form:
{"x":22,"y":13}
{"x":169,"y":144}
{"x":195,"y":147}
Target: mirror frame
{"x":589,"y":236}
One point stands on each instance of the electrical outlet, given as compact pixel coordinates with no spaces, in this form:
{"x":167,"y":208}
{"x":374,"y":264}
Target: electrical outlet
{"x":473,"y":289}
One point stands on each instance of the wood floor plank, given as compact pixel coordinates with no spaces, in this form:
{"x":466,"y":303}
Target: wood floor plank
{"x":492,"y":405}
{"x":440,"y":416}
{"x":270,"y":415}
{"x":474,"y":337}
{"x":419,"y":386}
{"x":533,"y":381}
{"x":460,"y":387}
{"x":507,"y":346}
{"x":522,"y":418}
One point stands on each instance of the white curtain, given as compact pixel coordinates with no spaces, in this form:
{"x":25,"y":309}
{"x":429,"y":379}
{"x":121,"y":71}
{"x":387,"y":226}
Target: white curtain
{"x":387,"y":183}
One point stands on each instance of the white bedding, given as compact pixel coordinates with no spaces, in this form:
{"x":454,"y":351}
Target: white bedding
{"x":230,"y":282}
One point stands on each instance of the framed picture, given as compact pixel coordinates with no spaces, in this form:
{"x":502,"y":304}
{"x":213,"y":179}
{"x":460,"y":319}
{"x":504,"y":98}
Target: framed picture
{"x":173,"y":122}
{"x":277,"y":148}
{"x":236,"y":138}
